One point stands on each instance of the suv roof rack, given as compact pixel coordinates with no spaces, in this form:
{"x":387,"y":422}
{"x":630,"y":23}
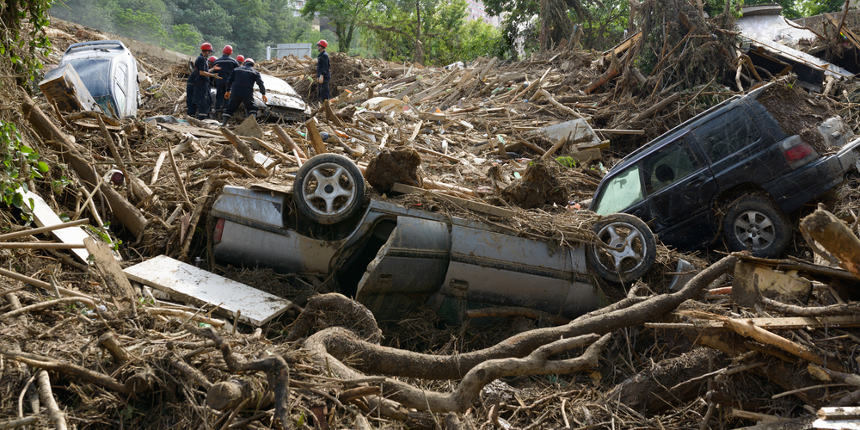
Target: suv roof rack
{"x":116,"y":43}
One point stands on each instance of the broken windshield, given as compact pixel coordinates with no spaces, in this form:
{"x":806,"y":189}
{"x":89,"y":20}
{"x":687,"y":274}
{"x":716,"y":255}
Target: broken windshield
{"x":95,"y":74}
{"x":620,"y":192}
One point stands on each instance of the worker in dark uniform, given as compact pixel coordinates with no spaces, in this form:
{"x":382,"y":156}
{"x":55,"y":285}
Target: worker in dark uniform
{"x":323,"y":70}
{"x":226,"y":65}
{"x":240,"y":87}
{"x":197,"y":99}
{"x":212,"y":82}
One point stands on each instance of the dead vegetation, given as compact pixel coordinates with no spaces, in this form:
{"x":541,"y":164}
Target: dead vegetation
{"x":82,"y":347}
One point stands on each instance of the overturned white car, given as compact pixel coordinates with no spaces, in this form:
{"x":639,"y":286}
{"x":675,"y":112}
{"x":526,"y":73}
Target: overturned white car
{"x":284,"y":102}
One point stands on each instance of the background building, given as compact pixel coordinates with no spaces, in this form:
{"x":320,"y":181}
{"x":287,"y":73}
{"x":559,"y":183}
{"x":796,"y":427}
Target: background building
{"x":475,"y":11}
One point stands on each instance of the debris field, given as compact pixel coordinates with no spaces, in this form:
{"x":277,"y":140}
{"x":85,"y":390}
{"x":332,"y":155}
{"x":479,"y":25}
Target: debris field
{"x":746,"y":342}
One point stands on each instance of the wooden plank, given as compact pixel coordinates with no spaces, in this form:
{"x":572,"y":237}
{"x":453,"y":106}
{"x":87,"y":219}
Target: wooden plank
{"x":314,"y":137}
{"x":625,"y":44}
{"x":90,"y":126}
{"x":786,"y":323}
{"x":468,"y":204}
{"x":110,"y":271}
{"x":45,"y":216}
{"x":407,"y":91}
{"x":199,"y":287}
{"x":194,"y":131}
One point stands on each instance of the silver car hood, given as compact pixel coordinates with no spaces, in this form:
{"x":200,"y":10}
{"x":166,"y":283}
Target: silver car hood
{"x":280,"y":95}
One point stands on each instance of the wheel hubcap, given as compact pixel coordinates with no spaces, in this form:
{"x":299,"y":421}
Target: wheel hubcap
{"x":329,"y":189}
{"x":754,"y":230}
{"x":624,"y":247}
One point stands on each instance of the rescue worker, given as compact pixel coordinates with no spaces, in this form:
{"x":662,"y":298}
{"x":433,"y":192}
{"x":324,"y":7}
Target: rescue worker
{"x":323,"y":70}
{"x":240,"y":87}
{"x":197,"y":98}
{"x":212,"y":64}
{"x":212,"y":82}
{"x":227,"y":64}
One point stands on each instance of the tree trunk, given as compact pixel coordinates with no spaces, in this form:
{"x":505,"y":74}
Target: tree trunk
{"x":544,"y":4}
{"x":418,"y":50}
{"x":393,"y":362}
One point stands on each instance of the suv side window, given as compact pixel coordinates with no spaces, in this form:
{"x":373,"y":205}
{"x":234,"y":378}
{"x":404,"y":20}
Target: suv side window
{"x":727,"y":134}
{"x":620,"y":192}
{"x":669,"y":165}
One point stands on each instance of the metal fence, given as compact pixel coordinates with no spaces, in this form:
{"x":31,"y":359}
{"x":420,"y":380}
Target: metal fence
{"x":285,"y":49}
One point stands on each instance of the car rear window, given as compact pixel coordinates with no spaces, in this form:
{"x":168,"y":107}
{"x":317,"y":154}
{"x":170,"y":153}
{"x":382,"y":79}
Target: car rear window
{"x":727,"y":134}
{"x":620,"y":192}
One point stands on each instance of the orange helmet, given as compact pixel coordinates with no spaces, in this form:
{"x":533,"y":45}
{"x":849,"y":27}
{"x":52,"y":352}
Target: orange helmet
{"x":206,"y":47}
{"x":323,"y":43}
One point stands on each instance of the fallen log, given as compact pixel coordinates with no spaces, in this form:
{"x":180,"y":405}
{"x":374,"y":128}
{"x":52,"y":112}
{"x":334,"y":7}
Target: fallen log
{"x":128,"y":215}
{"x":835,"y":237}
{"x":275,"y":367}
{"x":111,"y":272}
{"x":133,"y":385}
{"x":228,"y":395}
{"x":288,"y":141}
{"x":516,"y":312}
{"x":47,"y":396}
{"x":647,"y":113}
{"x":195,"y":216}
{"x":244,"y":149}
{"x":314,"y":137}
{"x":474,"y":381}
{"x":394,"y":362}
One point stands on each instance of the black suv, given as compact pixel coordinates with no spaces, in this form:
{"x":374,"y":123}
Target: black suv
{"x":731,"y":169}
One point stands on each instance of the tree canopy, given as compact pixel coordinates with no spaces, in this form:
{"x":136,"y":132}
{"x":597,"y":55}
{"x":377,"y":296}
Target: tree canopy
{"x":432,"y":31}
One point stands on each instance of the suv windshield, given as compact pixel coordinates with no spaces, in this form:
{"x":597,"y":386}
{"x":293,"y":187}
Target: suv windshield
{"x":620,"y":192}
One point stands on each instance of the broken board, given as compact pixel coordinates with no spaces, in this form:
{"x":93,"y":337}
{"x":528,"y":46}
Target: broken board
{"x":192,"y":130}
{"x":64,"y":87}
{"x":45,"y":216}
{"x":199,"y":287}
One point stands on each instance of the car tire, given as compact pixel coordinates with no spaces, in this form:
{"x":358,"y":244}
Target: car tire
{"x":328,"y":189}
{"x":628,"y":248}
{"x":754,"y":222}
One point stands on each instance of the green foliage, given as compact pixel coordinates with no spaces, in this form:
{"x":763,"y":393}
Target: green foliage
{"x":433,"y":32}
{"x":716,"y":7}
{"x":104,"y":234}
{"x":182,"y":25}
{"x":142,"y":26}
{"x":345,"y":16}
{"x":605,"y":25}
{"x":24,"y":40}
{"x":817,"y":7}
{"x":568,"y":162}
{"x":20,"y":163}
{"x":183,"y":38}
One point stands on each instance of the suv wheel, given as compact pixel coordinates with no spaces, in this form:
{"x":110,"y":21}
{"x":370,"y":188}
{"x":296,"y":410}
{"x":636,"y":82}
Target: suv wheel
{"x":755,"y":223}
{"x":627,"y":249}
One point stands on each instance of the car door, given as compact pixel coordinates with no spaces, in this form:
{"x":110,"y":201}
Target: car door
{"x":494,"y":269}
{"x":737,"y":150}
{"x":679,"y":188}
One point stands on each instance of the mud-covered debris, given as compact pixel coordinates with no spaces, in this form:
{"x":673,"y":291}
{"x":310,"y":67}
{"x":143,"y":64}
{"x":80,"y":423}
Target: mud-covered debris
{"x":538,"y":185}
{"x":394,"y":166}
